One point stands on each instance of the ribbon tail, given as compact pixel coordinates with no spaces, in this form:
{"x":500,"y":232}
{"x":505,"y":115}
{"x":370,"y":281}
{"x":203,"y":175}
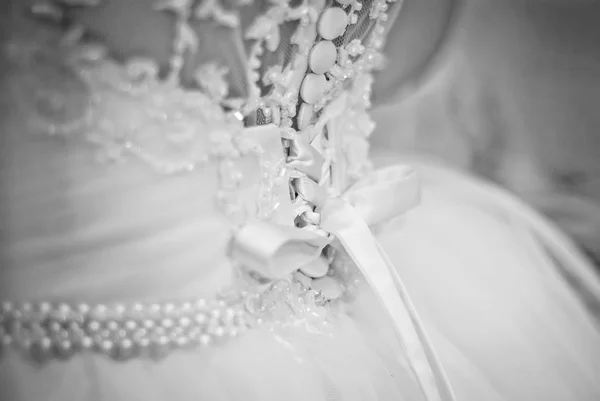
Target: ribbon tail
{"x":436,"y":366}
{"x":354,"y":234}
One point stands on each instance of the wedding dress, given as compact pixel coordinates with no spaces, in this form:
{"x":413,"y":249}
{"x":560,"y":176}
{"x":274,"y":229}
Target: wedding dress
{"x":202,"y":226}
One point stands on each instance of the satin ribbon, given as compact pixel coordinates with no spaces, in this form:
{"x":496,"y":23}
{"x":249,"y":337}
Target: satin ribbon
{"x":275,"y":252}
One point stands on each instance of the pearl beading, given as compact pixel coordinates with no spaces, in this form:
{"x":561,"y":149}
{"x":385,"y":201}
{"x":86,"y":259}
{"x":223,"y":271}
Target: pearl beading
{"x":44,"y":331}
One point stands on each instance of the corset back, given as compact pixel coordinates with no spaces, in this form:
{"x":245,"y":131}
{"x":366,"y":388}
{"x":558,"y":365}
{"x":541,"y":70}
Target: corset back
{"x":128,"y":156}
{"x":161,"y":203}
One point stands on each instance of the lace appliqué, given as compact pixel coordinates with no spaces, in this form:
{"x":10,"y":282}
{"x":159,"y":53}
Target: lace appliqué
{"x":75,"y":91}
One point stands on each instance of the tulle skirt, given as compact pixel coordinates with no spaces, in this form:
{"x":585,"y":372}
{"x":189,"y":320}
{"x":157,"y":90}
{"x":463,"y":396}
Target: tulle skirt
{"x":488,"y":281}
{"x":507,"y":300}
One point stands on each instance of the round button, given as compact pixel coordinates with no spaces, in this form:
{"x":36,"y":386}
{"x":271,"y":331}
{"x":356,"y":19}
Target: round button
{"x":333,"y":23}
{"x":313,"y":88}
{"x":305,"y":115}
{"x":322,"y":57}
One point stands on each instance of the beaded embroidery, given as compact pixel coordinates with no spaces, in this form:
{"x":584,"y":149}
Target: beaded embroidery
{"x":180,"y":129}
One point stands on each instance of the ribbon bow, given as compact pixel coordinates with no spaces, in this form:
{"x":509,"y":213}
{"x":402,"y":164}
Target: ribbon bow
{"x":276,"y":251}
